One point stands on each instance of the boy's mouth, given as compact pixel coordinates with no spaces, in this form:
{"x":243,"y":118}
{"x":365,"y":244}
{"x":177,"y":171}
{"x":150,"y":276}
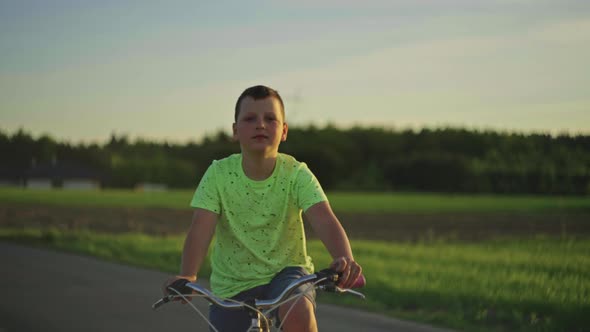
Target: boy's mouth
{"x":260,"y":137}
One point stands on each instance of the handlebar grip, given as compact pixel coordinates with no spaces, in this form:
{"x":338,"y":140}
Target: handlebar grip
{"x":360,"y":282}
{"x":334,"y":276}
{"x":180,"y":286}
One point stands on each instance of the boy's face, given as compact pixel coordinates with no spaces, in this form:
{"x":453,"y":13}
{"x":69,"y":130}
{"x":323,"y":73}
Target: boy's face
{"x":260,"y":126}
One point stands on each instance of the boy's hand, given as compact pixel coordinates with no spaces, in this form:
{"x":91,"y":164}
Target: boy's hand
{"x":350,"y":270}
{"x":171,"y":280}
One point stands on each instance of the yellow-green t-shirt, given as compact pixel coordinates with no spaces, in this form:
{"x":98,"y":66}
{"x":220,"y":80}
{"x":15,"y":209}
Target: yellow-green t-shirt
{"x":260,"y":229}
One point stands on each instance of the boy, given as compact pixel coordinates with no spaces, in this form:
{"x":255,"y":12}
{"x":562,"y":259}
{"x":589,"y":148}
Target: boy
{"x":253,"y":202}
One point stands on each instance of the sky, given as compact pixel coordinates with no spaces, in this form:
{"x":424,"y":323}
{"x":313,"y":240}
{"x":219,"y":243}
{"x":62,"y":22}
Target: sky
{"x":172,"y":70}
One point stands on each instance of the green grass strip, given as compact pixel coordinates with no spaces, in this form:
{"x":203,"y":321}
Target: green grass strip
{"x":344,"y":202}
{"x":538,"y":284}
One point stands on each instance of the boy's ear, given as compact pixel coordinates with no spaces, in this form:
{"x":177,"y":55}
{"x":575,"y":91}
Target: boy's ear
{"x":285,"y":131}
{"x":234,"y":131}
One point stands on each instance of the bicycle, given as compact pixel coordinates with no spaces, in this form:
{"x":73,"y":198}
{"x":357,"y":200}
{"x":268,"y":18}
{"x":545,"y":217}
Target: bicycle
{"x":259,"y":310}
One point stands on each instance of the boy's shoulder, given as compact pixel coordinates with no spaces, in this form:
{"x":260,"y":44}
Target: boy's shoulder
{"x":290,"y":161}
{"x":229,"y":161}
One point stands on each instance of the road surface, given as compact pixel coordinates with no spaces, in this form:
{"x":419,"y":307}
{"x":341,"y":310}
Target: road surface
{"x":51,"y":291}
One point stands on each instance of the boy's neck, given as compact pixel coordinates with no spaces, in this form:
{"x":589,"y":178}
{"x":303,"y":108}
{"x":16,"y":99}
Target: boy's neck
{"x":258,"y":167}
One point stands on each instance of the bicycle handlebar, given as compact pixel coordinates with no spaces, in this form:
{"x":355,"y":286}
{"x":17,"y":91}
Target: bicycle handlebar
{"x":325,"y":279}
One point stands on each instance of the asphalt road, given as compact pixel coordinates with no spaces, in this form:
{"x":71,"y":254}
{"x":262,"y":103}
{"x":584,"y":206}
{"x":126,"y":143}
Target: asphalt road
{"x":51,"y":291}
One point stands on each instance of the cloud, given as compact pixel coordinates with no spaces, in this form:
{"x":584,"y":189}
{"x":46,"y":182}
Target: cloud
{"x":433,"y":7}
{"x":512,"y":78}
{"x":575,"y":31}
{"x":384,"y":62}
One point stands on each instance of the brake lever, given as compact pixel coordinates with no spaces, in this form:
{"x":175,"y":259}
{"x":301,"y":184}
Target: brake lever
{"x":178,"y":286}
{"x":336,"y":289}
{"x":350,"y":291}
{"x":162,"y":301}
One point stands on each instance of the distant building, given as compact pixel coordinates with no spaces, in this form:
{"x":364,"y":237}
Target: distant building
{"x":151,"y":187}
{"x":64,"y":175}
{"x":12,"y":177}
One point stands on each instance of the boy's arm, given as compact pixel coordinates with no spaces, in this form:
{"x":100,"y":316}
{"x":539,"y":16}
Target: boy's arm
{"x":330,"y":231}
{"x":197,"y":241}
{"x":196,"y":245}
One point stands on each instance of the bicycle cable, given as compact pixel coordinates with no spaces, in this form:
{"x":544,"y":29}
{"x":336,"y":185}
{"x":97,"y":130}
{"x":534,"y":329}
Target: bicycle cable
{"x":295,"y":299}
{"x":251,"y":307}
{"x":194,"y":307}
{"x":226,"y":299}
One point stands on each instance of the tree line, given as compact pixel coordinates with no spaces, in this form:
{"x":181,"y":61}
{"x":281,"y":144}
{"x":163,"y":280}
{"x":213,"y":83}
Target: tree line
{"x":359,"y":158}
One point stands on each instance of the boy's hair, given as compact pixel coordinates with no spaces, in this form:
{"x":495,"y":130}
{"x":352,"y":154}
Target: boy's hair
{"x":258,"y":92}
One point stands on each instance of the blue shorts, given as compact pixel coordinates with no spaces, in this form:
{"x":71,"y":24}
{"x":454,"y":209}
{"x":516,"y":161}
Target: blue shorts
{"x":239,"y":320}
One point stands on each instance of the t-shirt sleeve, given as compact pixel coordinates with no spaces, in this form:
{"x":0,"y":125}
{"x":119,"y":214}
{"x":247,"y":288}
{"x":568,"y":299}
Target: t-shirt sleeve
{"x":207,"y":194}
{"x":309,"y":190}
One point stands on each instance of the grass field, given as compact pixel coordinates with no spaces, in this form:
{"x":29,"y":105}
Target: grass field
{"x":519,"y":282}
{"x":348,"y":202}
{"x":504,"y":285}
